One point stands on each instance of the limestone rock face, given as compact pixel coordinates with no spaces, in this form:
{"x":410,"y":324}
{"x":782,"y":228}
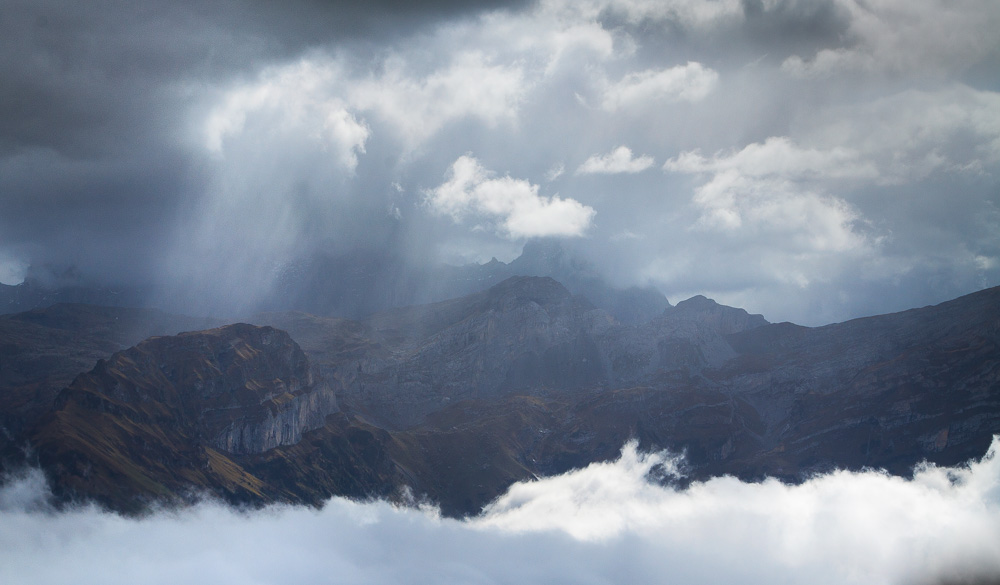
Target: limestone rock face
{"x":173,"y":411}
{"x":524,"y":334}
{"x":240,"y":388}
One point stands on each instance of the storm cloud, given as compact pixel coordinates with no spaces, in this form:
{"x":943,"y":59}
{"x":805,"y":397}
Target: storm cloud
{"x":809,"y":161}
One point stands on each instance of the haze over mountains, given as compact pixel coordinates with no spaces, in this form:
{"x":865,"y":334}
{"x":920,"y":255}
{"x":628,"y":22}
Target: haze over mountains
{"x":251,"y":331}
{"x":456,"y":400}
{"x":361,"y":282}
{"x":530,"y":413}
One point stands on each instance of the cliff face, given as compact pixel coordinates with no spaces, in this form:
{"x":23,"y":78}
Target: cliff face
{"x":525,"y":334}
{"x":242,"y":389}
{"x":175,"y":411}
{"x":882,"y":391}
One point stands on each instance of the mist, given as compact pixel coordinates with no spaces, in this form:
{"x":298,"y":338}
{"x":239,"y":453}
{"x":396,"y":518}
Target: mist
{"x":611,"y":522}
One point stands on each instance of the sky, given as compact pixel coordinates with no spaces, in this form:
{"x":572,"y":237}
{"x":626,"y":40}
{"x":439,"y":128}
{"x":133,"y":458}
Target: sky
{"x":606,"y":523}
{"x":813,"y":161}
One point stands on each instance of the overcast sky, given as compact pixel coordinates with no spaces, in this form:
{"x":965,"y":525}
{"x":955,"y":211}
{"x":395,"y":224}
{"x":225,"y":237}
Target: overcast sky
{"x":809,"y":160}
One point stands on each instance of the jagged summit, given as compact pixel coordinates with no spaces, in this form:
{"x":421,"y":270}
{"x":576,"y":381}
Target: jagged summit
{"x":424,"y":320}
{"x":697,"y":303}
{"x":722,"y":318}
{"x":545,"y":257}
{"x":540,"y":289}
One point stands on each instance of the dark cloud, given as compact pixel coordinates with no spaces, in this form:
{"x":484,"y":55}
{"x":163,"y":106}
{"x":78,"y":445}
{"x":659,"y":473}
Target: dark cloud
{"x":97,"y":102}
{"x":98,"y":77}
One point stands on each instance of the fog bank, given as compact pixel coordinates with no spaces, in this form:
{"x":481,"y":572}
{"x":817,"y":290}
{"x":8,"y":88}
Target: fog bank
{"x":607,"y":523}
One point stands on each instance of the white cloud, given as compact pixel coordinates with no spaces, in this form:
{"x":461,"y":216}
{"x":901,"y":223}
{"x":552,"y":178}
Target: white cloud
{"x":913,"y":134}
{"x":562,"y":33}
{"x":806,"y":199}
{"x":841,"y":527}
{"x":690,"y":82}
{"x":619,"y":160}
{"x":297,"y":100}
{"x":602,"y":524}
{"x":283,"y":148}
{"x":900,"y":138}
{"x":417,"y":107}
{"x":13,"y":268}
{"x":783,"y":217}
{"x":515,"y":203}
{"x":907,"y":36}
{"x":766,"y":196}
{"x":778,"y":156}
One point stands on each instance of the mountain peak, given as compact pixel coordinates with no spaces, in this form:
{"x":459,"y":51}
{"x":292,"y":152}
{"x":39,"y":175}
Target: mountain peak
{"x":698,"y":303}
{"x":542,"y":248}
{"x":543,"y":257}
{"x":541,"y":289}
{"x":725,"y":319}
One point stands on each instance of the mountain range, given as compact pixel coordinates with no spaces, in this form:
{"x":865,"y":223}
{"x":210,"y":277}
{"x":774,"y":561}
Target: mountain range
{"x":454,"y":400}
{"x":358,"y":283}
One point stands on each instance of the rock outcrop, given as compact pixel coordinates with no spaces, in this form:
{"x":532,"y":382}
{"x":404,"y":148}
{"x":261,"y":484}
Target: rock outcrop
{"x":176,"y":410}
{"x":43,"y":350}
{"x":520,"y":336}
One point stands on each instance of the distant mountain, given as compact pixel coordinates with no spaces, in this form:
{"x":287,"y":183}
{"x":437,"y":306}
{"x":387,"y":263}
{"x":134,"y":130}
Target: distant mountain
{"x":361,"y":283}
{"x":34,"y":293}
{"x":455,"y":400}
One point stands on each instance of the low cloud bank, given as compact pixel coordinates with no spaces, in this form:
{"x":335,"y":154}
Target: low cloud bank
{"x":607,"y":523}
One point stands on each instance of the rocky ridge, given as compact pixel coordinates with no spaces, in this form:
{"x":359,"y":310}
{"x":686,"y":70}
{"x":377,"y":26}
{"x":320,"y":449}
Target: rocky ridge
{"x":458,"y":399}
{"x":175,"y":409}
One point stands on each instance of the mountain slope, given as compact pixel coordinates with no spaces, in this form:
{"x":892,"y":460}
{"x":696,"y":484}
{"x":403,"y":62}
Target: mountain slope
{"x":883,"y":391}
{"x":42,"y":350}
{"x":168,"y":414}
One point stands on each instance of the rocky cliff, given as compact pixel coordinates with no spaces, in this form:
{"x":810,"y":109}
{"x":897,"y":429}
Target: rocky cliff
{"x":522,"y":335}
{"x":174,"y":411}
{"x":738,"y":395}
{"x":43,"y":350}
{"x":525,"y":335}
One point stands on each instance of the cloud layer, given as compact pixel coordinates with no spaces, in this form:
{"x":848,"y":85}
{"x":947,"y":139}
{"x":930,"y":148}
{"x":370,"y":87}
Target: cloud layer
{"x":604,"y":524}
